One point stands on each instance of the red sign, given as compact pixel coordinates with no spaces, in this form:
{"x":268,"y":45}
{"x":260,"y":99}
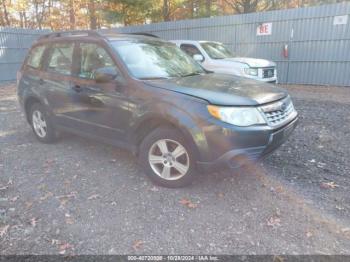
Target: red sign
{"x":264,"y":29}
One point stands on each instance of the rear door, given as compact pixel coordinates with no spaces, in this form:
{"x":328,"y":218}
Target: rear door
{"x":103,"y":107}
{"x":56,"y":80}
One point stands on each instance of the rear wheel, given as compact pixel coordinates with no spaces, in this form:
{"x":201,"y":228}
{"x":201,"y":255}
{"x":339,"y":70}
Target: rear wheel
{"x":41,"y":124}
{"x":167,"y":159}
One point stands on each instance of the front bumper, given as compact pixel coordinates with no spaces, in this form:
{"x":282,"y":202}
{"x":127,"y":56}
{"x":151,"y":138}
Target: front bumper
{"x":261,"y":78}
{"x":265,"y":142}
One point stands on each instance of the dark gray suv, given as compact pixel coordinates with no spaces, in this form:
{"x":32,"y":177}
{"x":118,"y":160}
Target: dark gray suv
{"x":146,"y":95}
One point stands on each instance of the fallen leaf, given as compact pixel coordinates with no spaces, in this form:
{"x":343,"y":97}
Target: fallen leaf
{"x":274,"y":221}
{"x":3,"y":188}
{"x":33,"y":221}
{"x":3,"y":230}
{"x":279,"y":189}
{"x":49,"y":161}
{"x":184,"y":201}
{"x":46,"y":196}
{"x":321,"y":165}
{"x":339,"y":207}
{"x":94,"y":196}
{"x":63,"y":248}
{"x":14,"y":199}
{"x":221,"y":195}
{"x":191,"y":205}
{"x":55,"y":242}
{"x":137,"y":244}
{"x":70,"y":195}
{"x":63,"y":202}
{"x":345,"y":230}
{"x":64,"y":198}
{"x":29,"y":204}
{"x":69,"y":221}
{"x":329,"y":185}
{"x":188,"y":203}
{"x":154,"y":189}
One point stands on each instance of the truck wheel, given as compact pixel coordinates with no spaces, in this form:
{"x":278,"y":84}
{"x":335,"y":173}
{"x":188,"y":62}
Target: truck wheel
{"x":167,"y":158}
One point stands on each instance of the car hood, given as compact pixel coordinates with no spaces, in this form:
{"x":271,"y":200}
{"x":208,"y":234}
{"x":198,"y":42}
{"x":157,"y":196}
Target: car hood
{"x":222,"y":89}
{"x":251,"y":62}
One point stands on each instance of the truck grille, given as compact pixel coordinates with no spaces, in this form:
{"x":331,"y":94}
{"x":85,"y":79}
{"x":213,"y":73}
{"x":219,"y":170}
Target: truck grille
{"x":278,"y":112}
{"x":268,"y":72}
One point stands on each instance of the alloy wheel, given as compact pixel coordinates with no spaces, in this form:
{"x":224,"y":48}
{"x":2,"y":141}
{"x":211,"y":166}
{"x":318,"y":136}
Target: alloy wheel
{"x":39,"y":123}
{"x":169,"y":159}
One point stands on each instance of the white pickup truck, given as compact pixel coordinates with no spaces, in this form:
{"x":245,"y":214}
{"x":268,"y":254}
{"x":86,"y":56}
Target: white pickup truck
{"x":216,"y":57}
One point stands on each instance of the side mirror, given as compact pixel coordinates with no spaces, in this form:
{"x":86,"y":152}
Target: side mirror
{"x":198,"y":58}
{"x":105,"y":74}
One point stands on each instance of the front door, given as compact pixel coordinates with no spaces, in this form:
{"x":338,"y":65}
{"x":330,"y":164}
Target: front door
{"x":103,"y":108}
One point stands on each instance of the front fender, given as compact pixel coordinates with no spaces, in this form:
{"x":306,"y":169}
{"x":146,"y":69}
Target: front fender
{"x":189,"y":124}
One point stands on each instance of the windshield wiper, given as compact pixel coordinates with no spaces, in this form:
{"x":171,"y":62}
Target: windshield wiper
{"x":191,"y":74}
{"x":153,"y":78}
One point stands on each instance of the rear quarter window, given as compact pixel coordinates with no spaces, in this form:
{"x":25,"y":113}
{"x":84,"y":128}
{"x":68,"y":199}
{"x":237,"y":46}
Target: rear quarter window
{"x":35,"y":55}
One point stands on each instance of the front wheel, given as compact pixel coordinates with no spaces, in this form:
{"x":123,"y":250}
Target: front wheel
{"x":167,"y":159}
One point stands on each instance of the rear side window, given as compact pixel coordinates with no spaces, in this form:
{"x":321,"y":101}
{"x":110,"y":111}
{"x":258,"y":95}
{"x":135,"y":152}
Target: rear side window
{"x":34,"y":60}
{"x":60,"y":59}
{"x":93,"y":57}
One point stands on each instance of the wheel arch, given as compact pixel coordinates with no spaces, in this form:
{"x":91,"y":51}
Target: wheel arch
{"x":28,"y":103}
{"x":150,"y":123}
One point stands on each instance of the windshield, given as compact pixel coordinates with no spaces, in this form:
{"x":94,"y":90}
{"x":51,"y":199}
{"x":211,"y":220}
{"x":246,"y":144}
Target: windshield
{"x":155,"y":59}
{"x":216,"y":50}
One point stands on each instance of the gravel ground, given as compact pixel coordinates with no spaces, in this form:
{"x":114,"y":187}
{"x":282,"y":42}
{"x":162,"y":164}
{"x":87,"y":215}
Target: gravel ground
{"x":81,"y":197}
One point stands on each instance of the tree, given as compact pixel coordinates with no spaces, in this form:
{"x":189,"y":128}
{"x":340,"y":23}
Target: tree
{"x":71,"y":15}
{"x":166,"y":10}
{"x":5,"y":19}
{"x":92,"y":14}
{"x":208,"y":7}
{"x":40,"y":8}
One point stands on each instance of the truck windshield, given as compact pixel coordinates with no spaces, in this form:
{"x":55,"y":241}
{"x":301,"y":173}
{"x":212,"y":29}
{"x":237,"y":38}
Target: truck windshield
{"x":155,"y":59}
{"x":216,"y":50}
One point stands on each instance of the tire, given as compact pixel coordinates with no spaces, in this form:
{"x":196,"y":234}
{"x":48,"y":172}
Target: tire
{"x":41,"y":124}
{"x":170,"y":166}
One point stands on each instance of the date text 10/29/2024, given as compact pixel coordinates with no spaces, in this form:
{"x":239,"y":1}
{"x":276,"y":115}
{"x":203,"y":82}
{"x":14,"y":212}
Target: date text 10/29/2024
{"x":173,"y":258}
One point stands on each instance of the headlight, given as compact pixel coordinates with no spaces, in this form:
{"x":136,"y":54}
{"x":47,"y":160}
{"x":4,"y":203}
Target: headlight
{"x":251,"y":71}
{"x":239,"y":116}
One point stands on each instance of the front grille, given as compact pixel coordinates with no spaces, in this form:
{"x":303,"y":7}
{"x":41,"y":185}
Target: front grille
{"x":268,"y":72}
{"x":278,"y":112}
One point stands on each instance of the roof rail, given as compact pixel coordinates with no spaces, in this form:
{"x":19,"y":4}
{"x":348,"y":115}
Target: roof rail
{"x":145,"y":34}
{"x":68,"y":33}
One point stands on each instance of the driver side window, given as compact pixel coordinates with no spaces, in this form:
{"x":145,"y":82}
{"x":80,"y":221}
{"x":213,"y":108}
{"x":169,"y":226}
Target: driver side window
{"x":93,"y":57}
{"x":191,"y":50}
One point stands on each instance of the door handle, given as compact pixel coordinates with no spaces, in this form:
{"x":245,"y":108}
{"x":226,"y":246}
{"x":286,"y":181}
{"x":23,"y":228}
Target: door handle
{"x":77,"y":88}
